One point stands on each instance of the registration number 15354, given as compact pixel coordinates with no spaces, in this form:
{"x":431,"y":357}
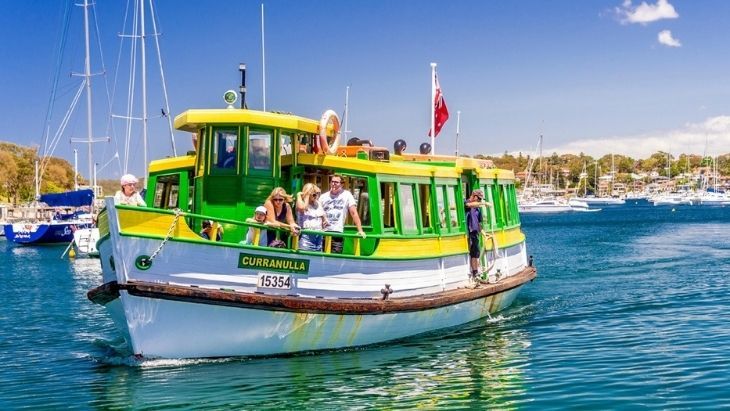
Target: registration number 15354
{"x":280,"y":281}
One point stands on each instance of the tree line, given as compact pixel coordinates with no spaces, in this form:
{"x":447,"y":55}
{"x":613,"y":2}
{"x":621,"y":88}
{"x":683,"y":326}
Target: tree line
{"x":17,"y":174}
{"x":568,"y":167}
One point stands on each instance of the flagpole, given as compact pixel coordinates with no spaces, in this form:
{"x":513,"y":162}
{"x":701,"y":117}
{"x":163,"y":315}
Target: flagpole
{"x":433,"y":108}
{"x":458,"y":123}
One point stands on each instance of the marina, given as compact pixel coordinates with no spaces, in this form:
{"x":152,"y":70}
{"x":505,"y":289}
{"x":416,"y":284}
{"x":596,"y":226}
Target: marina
{"x":238,"y":238}
{"x":651,"y":322}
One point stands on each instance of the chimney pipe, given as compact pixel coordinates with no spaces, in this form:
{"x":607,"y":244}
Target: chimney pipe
{"x":242,"y":88}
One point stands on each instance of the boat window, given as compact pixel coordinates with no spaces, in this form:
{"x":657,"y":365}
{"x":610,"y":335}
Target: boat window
{"x":225,"y":143}
{"x":259,"y":150}
{"x":359,"y":188}
{"x":491,"y":218}
{"x":286,"y":144}
{"x":424,"y":200}
{"x":387,"y":205}
{"x":441,"y":204}
{"x":166,"y":191}
{"x":407,"y":208}
{"x":453,"y":214}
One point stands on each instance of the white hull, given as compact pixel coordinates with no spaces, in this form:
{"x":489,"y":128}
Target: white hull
{"x":85,"y":241}
{"x":172,"y":329}
{"x":186,"y":325}
{"x":601,"y":201}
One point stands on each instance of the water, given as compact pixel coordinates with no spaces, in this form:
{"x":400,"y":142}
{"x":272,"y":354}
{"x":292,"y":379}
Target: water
{"x":630,"y":310}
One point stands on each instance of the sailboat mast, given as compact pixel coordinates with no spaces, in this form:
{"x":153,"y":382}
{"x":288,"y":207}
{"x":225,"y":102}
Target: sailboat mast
{"x":87,"y":78}
{"x":144,"y":85}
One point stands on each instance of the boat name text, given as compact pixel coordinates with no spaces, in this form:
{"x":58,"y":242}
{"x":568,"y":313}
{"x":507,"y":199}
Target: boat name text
{"x":285,"y":265}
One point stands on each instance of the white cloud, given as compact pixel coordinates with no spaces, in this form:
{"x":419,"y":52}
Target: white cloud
{"x":645,"y":13}
{"x":690,"y":138}
{"x":665,"y":37}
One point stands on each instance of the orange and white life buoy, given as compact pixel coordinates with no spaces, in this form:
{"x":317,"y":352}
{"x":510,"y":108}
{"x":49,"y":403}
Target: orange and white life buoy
{"x":321,"y":145}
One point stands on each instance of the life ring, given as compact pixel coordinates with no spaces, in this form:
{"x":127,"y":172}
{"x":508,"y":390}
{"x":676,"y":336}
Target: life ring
{"x":321,"y":145}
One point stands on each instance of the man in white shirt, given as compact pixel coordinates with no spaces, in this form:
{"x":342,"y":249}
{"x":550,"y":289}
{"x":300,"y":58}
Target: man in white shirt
{"x":337,"y":202}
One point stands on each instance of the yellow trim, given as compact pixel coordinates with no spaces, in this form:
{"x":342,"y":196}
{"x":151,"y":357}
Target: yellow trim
{"x":193,"y":120}
{"x":152,"y":224}
{"x":377,"y":167}
{"x":102,"y":222}
{"x":421,"y":247}
{"x":497,"y":173}
{"x":507,"y":238}
{"x":172,"y":163}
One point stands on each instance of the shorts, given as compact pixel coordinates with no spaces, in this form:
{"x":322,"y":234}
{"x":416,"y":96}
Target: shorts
{"x":474,"y":251}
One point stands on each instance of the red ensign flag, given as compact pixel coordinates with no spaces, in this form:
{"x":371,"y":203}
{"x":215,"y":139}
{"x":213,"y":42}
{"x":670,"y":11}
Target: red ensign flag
{"x":440,"y":112}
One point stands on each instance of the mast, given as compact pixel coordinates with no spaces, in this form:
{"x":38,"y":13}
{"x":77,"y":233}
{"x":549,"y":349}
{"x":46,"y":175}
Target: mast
{"x":145,"y":120}
{"x":87,"y":85}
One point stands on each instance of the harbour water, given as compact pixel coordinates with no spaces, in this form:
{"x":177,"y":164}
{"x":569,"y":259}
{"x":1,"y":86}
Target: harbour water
{"x":629,"y":311}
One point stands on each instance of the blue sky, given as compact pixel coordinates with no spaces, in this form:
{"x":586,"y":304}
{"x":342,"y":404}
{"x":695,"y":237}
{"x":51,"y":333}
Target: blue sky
{"x":590,"y":75}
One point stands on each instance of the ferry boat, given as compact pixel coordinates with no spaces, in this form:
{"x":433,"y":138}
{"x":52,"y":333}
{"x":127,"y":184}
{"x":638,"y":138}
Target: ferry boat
{"x":174,"y":294}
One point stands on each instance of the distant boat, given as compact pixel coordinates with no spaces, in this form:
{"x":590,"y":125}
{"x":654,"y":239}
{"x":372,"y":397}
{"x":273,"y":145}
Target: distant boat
{"x":601,"y":201}
{"x":543,"y":205}
{"x":59,"y":228}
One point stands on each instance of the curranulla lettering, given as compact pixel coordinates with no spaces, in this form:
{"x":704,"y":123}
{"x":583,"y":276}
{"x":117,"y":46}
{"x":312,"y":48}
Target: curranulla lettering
{"x":278,"y":264}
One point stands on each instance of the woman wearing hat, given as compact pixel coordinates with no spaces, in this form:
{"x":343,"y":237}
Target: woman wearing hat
{"x":128,"y":195}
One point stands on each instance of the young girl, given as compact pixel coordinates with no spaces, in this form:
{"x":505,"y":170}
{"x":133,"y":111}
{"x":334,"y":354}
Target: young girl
{"x":310,"y":216}
{"x":279,"y":214}
{"x":128,"y":195}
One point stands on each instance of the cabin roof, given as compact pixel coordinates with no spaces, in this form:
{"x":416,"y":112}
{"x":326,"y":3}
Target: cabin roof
{"x":172,"y":163}
{"x":193,"y":120}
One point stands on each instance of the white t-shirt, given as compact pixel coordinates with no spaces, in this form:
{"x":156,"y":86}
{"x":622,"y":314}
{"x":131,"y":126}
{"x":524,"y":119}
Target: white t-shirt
{"x":134,"y":200}
{"x":336,"y":207}
{"x":311,"y":217}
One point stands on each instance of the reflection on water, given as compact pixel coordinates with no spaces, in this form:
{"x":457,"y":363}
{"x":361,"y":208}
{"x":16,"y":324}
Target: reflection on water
{"x":478,"y":364}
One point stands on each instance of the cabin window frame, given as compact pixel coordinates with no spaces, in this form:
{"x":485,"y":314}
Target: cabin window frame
{"x":213,"y":145}
{"x":272,"y":151}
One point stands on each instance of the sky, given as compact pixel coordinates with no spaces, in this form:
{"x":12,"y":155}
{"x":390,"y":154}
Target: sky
{"x":591,"y":76}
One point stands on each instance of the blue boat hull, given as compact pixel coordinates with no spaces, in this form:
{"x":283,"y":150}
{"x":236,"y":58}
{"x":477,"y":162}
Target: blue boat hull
{"x":41,"y":233}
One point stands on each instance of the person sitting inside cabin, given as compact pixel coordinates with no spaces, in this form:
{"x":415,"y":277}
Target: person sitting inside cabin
{"x":279,"y":215}
{"x":259,"y":217}
{"x":128,"y":195}
{"x":310,"y":216}
{"x":209,"y":227}
{"x":229,"y":158}
{"x":473,"y":207}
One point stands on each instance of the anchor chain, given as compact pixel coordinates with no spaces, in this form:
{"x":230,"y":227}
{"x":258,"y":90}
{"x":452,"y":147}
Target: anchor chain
{"x":148,"y":261}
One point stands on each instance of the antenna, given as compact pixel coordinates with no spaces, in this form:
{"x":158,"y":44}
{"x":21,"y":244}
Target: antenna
{"x":346,"y":116}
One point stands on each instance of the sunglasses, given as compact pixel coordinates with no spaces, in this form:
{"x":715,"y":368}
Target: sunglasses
{"x":278,"y":199}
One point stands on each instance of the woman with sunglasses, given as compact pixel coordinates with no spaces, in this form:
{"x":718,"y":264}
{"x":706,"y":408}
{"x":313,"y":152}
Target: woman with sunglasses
{"x":310,"y":216}
{"x":279,"y":214}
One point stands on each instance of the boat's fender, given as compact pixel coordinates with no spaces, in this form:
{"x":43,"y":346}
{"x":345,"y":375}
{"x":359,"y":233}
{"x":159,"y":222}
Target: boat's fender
{"x":321,"y":146}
